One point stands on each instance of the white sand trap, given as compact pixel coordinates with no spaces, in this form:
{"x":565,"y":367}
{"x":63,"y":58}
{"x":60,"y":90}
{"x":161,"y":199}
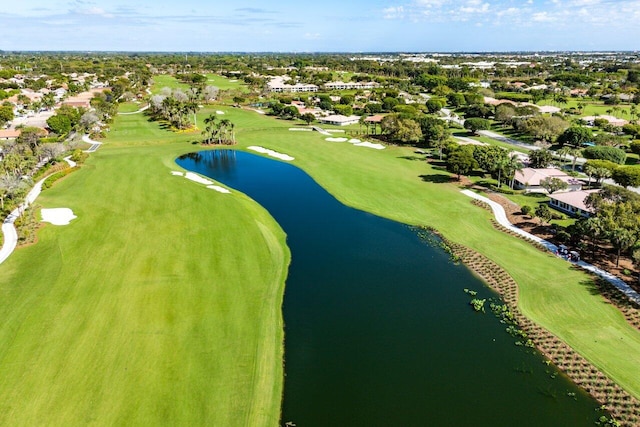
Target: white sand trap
{"x":197,"y":178}
{"x":301,"y":129}
{"x":219,"y":112}
{"x":57,"y":216}
{"x":233,"y":81}
{"x":370,"y":145}
{"x":176,"y":173}
{"x":219,"y":189}
{"x":355,"y":141}
{"x":336,"y":139}
{"x":259,"y":111}
{"x":336,"y":131}
{"x":271,"y":153}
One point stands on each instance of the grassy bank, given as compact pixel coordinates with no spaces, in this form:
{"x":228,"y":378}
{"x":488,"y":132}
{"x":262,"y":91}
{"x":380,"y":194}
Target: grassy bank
{"x":159,"y":305}
{"x":396,"y":183}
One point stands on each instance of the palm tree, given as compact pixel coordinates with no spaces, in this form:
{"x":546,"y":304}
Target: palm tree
{"x":575,"y":152}
{"x":512,"y":166}
{"x":210,"y":129}
{"x":563,"y":152}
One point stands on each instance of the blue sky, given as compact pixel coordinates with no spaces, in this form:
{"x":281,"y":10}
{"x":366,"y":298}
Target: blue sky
{"x":329,"y":25}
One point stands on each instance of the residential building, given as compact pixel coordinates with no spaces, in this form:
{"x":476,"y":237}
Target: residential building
{"x":530,"y":179}
{"x":339,"y":120}
{"x":351,"y":85}
{"x":572,"y":202}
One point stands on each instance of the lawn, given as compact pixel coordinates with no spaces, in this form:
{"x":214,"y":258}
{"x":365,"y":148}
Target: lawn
{"x":159,"y":305}
{"x":162,"y":80}
{"x":396,"y":184}
{"x":592,"y":108}
{"x":224,"y":83}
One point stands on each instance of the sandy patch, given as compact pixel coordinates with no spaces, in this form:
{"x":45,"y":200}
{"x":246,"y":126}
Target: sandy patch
{"x":197,"y":178}
{"x":370,"y":145}
{"x":233,"y":81}
{"x":219,"y":112}
{"x":301,"y":129}
{"x":176,"y":173}
{"x":335,"y":131}
{"x":218,"y":189}
{"x":57,"y":216}
{"x":336,"y":139}
{"x":271,"y":153}
{"x":355,"y":141}
{"x":259,"y":111}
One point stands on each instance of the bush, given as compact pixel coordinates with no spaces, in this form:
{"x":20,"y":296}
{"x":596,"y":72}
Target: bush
{"x":526,"y":210}
{"x":48,"y":183}
{"x":612,"y":154}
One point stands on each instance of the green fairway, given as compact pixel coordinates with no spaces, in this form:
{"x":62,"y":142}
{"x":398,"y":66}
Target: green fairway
{"x":162,"y":80}
{"x":224,"y":83}
{"x":161,"y":303}
{"x":393,"y":183}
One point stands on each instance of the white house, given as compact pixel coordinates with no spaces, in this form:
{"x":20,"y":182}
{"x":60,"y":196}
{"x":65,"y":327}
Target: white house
{"x":572,"y":202}
{"x":529,"y":179}
{"x":339,"y":120}
{"x":351,"y":85}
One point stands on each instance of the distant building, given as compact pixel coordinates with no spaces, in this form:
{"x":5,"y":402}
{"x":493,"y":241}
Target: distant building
{"x":529,"y":179}
{"x":6,"y":134}
{"x":572,"y":202}
{"x":351,"y":85}
{"x":278,"y":85}
{"x":339,"y":120}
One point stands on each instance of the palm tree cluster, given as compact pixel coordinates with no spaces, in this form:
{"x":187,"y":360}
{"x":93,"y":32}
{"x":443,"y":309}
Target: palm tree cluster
{"x":218,"y":131}
{"x":175,"y":106}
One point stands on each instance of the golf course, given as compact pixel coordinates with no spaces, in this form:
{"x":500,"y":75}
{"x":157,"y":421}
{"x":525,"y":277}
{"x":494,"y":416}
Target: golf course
{"x":161,"y":303}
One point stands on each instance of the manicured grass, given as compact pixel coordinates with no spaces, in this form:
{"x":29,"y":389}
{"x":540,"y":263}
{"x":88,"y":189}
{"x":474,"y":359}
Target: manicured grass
{"x":592,"y":108}
{"x":224,"y":83}
{"x":129,"y":107}
{"x":159,"y":305}
{"x":162,"y":80}
{"x":395,"y":184}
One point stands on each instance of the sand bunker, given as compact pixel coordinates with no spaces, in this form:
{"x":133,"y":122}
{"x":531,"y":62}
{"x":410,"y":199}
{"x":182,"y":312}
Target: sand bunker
{"x":219,"y":112}
{"x":271,"y":153}
{"x":176,"y":173}
{"x":369,"y":145}
{"x":197,"y":178}
{"x":301,"y":129}
{"x":219,"y":189}
{"x":57,"y":216}
{"x":354,"y":141}
{"x":336,"y":139}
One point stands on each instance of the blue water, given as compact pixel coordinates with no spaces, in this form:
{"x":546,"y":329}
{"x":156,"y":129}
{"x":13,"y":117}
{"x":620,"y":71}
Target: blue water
{"x":379,"y":331}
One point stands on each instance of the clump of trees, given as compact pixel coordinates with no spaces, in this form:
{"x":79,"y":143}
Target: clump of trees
{"x":175,"y":106}
{"x":218,"y":131}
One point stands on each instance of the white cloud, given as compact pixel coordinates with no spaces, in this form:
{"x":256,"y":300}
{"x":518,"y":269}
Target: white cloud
{"x":393,"y":12}
{"x":95,"y":11}
{"x":312,"y":36}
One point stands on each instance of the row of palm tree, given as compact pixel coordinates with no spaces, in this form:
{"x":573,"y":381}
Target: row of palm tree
{"x":218,"y":132}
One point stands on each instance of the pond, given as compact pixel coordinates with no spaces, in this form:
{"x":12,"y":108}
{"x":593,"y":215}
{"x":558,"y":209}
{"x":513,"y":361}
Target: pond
{"x":379,"y":330}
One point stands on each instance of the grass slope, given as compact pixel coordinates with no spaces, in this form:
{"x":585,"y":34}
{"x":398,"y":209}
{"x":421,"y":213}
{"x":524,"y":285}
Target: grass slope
{"x":159,"y":305}
{"x":394,"y":184}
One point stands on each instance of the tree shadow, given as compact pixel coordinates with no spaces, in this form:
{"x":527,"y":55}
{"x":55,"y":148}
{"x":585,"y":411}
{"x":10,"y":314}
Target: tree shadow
{"x":413,"y":158}
{"x":437,"y":178}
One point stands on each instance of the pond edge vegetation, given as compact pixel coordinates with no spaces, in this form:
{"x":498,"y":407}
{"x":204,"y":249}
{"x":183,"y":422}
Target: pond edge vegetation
{"x":624,"y":407}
